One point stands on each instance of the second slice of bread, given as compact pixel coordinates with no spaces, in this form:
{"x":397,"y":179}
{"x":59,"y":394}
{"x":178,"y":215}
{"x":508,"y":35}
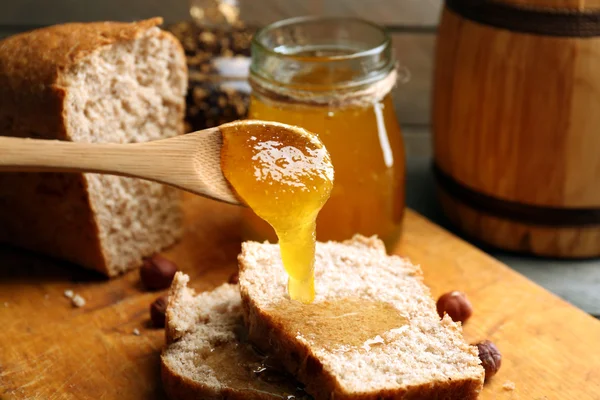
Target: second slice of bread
{"x":422,"y":357}
{"x":206,"y":356}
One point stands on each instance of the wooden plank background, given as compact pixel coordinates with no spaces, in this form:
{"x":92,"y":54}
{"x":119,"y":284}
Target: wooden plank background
{"x":388,"y":12}
{"x":412,"y":24}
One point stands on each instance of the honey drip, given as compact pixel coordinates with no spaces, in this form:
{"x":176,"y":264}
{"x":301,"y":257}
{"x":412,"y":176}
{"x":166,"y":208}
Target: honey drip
{"x":285,"y":176}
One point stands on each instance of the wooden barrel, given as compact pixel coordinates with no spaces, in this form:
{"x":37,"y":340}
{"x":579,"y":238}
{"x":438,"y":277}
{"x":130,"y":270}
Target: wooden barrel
{"x":516,"y":122}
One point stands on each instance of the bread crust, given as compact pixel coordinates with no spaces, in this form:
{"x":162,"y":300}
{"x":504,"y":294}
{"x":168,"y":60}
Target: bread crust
{"x":52,"y":213}
{"x":179,"y":387}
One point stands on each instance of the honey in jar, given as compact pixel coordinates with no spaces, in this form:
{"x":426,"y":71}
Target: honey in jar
{"x":284,"y":174}
{"x":333,"y":76}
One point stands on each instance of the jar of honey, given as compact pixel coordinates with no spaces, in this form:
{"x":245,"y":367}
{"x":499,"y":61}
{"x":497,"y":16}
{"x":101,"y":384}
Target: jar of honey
{"x":333,"y":77}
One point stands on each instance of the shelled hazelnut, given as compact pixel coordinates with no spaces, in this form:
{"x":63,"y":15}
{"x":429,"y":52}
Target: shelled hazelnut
{"x":157,"y":272}
{"x":456,"y":305}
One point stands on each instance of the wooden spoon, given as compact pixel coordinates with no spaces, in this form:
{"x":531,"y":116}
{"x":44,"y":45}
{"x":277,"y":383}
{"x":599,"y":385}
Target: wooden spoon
{"x":190,"y":162}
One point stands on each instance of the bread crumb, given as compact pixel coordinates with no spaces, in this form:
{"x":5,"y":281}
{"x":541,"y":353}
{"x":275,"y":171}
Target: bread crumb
{"x":377,"y":340}
{"x":509,"y":386}
{"x":46,"y":296}
{"x":78,"y":301}
{"x":6,"y":304}
{"x":136,"y":332}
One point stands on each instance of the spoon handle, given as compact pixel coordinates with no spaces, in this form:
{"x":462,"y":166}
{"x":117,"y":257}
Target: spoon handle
{"x":190,"y":162}
{"x":35,"y":155}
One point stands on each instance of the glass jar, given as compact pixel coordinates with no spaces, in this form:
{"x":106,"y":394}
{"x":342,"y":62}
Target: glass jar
{"x":333,"y":76}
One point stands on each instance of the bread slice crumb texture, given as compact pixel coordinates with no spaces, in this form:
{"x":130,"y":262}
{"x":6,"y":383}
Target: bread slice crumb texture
{"x":373,"y":329}
{"x":128,"y":92}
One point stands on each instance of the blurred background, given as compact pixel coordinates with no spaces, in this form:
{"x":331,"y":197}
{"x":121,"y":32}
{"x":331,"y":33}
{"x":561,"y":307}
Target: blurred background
{"x":412,"y":24}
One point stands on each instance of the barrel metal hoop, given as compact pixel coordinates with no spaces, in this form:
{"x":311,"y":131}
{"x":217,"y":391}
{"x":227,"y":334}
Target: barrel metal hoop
{"x":516,"y":211}
{"x":562,"y":22}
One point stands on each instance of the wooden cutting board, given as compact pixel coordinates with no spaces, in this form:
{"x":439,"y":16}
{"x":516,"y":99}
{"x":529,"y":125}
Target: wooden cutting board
{"x":50,"y":350}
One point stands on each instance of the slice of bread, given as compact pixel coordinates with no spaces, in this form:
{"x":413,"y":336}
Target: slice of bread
{"x":94,"y":82}
{"x":373,"y":331}
{"x":206,"y":355}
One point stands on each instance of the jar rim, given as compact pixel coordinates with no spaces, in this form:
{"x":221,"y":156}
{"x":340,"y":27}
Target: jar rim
{"x":376,"y":49}
{"x":322,"y":60}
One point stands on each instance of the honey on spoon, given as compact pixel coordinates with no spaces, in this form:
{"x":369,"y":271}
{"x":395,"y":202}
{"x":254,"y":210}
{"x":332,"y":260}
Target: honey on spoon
{"x":282,"y":172}
{"x":285,"y":175}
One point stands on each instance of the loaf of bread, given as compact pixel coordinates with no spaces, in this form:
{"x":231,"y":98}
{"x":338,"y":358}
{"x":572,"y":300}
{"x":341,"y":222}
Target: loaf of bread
{"x":206,"y":356}
{"x":95,"y":82}
{"x":372,"y":333}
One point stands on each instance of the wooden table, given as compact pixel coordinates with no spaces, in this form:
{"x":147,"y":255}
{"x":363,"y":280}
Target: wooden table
{"x":545,"y":334}
{"x":51,"y":350}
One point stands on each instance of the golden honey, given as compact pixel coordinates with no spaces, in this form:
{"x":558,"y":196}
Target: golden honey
{"x":325,"y":324}
{"x":285,"y":176}
{"x":367,"y":152}
{"x":333,"y":76}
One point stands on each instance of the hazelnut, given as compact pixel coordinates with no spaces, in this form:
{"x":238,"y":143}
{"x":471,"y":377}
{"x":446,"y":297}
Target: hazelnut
{"x":490,"y":357}
{"x":234,"y":278}
{"x":158,"y":309}
{"x":157,"y":272}
{"x":456,"y":305}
